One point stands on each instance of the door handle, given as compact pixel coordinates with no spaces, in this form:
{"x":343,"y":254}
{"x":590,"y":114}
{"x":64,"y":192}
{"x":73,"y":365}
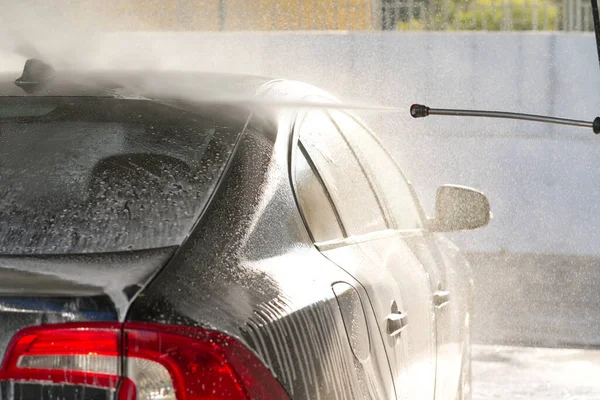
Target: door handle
{"x":441,"y":298}
{"x":396,"y":322}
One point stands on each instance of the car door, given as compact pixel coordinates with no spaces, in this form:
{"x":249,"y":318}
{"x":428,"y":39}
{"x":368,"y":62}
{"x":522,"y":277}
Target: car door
{"x":324,"y":225}
{"x":376,"y":255}
{"x":450,"y":301}
{"x":406,"y":215}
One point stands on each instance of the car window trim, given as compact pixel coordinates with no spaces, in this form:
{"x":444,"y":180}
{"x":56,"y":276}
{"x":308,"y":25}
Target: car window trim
{"x":366,"y":169}
{"x":346,"y":240}
{"x":294,"y":139}
{"x":364,"y":172}
{"x":314,"y":169}
{"x":414,"y":196}
{"x":367,"y":237}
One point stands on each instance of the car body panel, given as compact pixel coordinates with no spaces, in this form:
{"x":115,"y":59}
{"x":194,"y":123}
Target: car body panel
{"x":417,"y":260}
{"x":453,"y":319}
{"x":260,"y":279}
{"x":412,"y":280}
{"x":251,"y":270}
{"x":381,"y":289}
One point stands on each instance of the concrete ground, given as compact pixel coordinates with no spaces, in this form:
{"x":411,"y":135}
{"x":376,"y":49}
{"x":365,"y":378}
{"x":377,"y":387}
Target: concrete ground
{"x":509,"y":372}
{"x":548,"y":303}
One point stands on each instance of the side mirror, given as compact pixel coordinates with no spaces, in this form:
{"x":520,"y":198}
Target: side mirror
{"x":459,"y":208}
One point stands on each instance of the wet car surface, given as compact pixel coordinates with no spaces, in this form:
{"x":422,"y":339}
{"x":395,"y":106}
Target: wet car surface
{"x":181,"y":247}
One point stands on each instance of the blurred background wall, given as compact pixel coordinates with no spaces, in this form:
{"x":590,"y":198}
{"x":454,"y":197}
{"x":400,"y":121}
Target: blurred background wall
{"x":210,"y":15}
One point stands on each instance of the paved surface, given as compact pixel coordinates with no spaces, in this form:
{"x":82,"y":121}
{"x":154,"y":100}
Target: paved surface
{"x":507,"y":372}
{"x":548,"y":302}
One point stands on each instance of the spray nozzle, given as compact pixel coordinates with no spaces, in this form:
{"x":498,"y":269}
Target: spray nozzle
{"x":421,"y":111}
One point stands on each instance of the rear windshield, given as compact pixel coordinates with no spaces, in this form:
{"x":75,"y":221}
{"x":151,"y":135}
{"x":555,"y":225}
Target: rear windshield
{"x":89,"y":175}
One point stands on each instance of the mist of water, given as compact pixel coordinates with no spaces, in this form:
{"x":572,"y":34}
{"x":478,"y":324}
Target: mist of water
{"x":67,"y":34}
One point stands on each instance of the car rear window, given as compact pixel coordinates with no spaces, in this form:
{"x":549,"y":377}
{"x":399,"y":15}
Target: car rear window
{"x":90,"y":175}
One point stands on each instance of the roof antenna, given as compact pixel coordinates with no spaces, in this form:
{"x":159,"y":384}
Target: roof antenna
{"x":36,"y":74}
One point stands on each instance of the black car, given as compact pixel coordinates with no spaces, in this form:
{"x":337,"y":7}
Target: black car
{"x":163,"y":238}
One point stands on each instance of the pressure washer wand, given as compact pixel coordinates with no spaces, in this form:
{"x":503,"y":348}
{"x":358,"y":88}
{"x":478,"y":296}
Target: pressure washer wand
{"x":421,"y":111}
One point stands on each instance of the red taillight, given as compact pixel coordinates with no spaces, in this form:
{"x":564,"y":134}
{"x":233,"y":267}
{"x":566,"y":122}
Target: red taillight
{"x":84,"y":354}
{"x":140,"y":361}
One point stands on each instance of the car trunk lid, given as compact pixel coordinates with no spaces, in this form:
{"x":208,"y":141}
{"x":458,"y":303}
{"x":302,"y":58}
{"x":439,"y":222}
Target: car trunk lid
{"x":36,"y":290}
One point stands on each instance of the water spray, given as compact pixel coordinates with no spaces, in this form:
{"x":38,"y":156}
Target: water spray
{"x":421,"y":111}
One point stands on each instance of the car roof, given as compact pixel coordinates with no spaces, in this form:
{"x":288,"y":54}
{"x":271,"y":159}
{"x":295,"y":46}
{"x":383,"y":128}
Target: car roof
{"x":208,"y":88}
{"x":141,"y":83}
